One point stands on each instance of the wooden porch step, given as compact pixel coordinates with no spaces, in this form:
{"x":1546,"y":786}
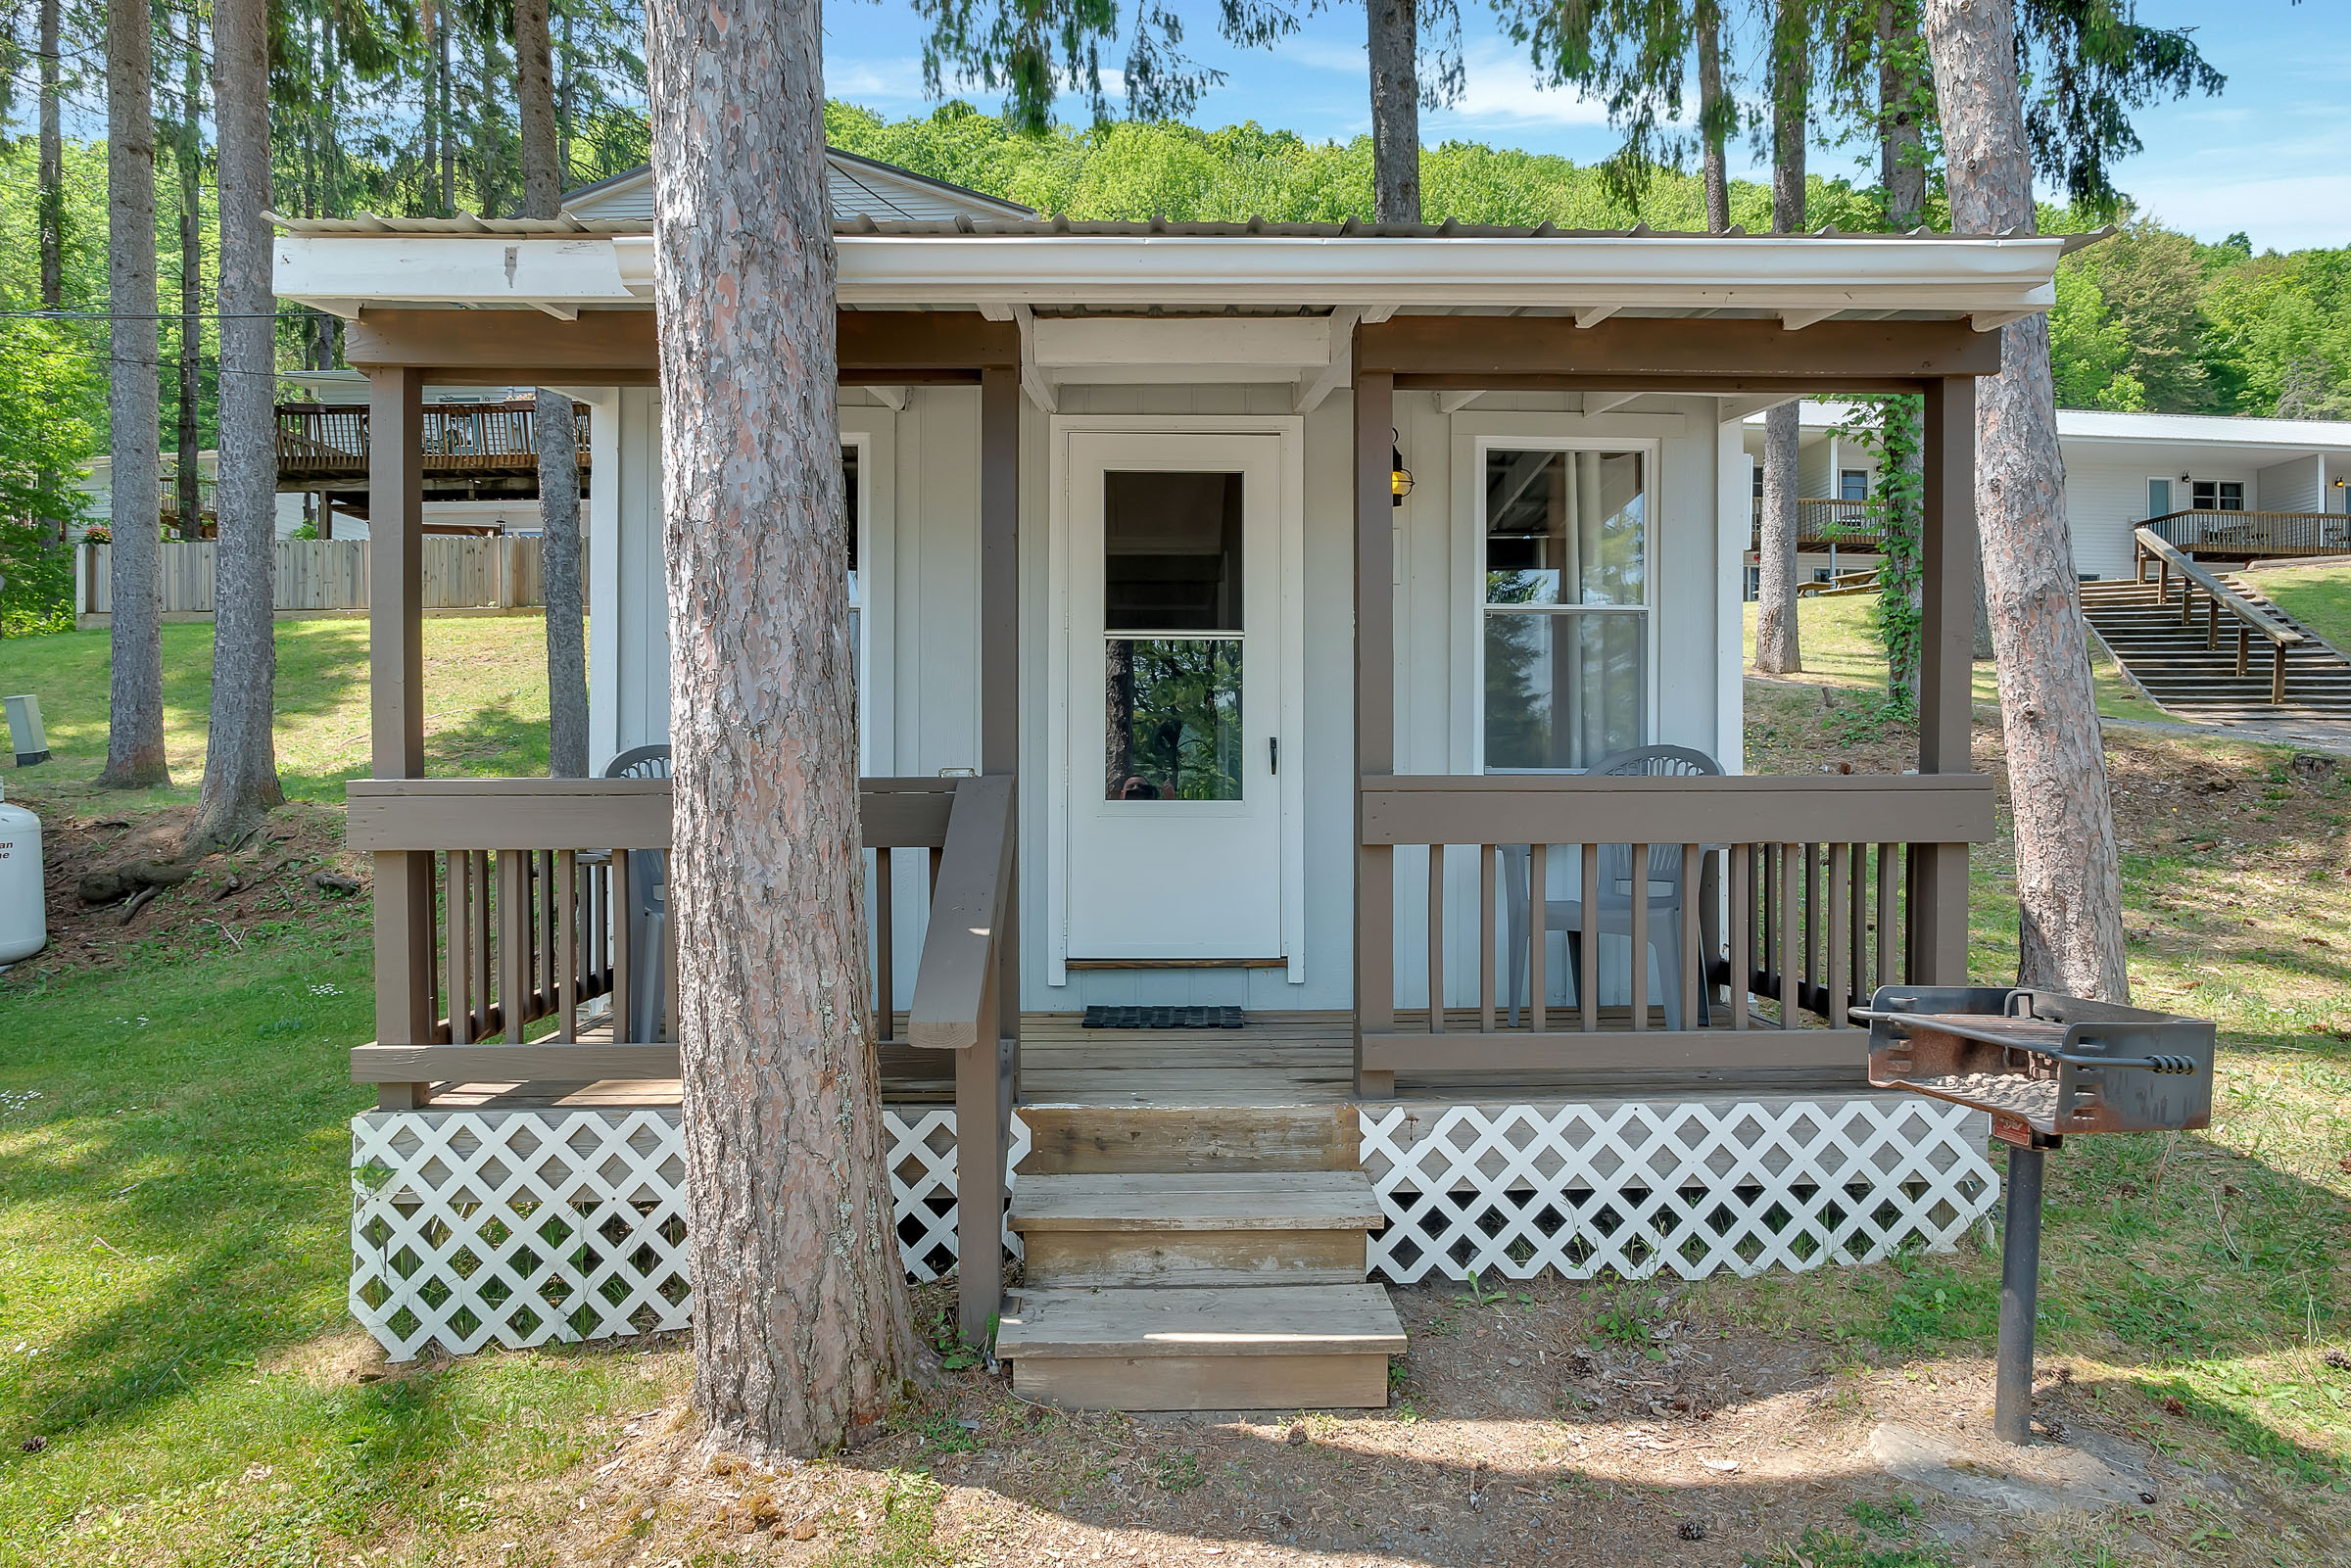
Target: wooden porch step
{"x":1142,"y":1229}
{"x":1244,"y":1347}
{"x":1068,"y":1139}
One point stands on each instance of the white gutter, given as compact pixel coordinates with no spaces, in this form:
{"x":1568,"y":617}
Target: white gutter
{"x":1994,"y":280}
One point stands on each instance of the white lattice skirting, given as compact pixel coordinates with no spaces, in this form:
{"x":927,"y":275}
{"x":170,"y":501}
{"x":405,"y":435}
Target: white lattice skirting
{"x":1692,"y":1186}
{"x":521,"y":1226}
{"x":524,"y":1226}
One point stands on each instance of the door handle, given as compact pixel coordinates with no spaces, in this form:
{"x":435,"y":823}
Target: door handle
{"x":1274,"y":755}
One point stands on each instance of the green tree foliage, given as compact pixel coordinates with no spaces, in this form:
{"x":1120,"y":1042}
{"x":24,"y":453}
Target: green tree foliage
{"x":44,"y":442}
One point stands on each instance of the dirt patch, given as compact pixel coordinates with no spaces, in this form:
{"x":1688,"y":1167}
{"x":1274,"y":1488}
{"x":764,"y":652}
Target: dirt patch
{"x":294,"y":867}
{"x":1570,"y":1424}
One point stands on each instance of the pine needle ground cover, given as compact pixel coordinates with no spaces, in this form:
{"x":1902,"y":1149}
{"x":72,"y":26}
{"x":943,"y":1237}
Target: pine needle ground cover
{"x":178,"y":1383}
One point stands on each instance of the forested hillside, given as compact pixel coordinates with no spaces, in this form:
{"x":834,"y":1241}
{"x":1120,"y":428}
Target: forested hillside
{"x":2149,"y":320}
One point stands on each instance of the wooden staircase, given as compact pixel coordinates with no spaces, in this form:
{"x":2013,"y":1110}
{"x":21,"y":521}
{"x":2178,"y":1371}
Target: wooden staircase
{"x":2172,"y":664}
{"x":1196,"y":1257}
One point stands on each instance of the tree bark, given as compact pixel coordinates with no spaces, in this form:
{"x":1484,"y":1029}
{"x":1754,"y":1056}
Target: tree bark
{"x":1395,"y":46}
{"x":51,"y":200}
{"x":1777,"y":649}
{"x":188,"y":154}
{"x":134,"y":731}
{"x":554,"y":421}
{"x":1714,"y":114}
{"x":1901,"y":155}
{"x":240,"y":759}
{"x":53,"y":168}
{"x":801,"y":1332}
{"x":2068,"y":874}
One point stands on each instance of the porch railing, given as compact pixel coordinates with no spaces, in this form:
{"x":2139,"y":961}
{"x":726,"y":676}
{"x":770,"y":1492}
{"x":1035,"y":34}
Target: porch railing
{"x":1822,"y":524}
{"x":500,"y":906}
{"x":1808,"y":893}
{"x":2247,"y":534}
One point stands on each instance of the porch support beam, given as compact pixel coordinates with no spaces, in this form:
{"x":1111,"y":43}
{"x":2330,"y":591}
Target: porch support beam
{"x":988,"y":1074}
{"x":1946,"y":667}
{"x":404,"y":989}
{"x":1374,"y":715}
{"x":617,"y":347}
{"x":1725,"y":352}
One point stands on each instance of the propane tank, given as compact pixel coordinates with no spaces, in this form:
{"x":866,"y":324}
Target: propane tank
{"x":23,"y":921}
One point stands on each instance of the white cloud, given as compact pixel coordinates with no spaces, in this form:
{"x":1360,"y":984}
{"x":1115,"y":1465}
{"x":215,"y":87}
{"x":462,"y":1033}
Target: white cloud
{"x":867,"y":81}
{"x":1501,"y":91}
{"x":2286,"y":212}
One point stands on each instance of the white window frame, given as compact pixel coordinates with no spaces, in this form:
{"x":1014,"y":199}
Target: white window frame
{"x":1652,"y":451}
{"x":874,"y":433}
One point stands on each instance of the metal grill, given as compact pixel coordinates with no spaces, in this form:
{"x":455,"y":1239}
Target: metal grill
{"x":2044,"y":1065}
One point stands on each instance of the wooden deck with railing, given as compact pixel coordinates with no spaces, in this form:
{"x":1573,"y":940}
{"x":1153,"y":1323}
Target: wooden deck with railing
{"x":1822,"y":525}
{"x":326,"y":443}
{"x":2254,"y":536}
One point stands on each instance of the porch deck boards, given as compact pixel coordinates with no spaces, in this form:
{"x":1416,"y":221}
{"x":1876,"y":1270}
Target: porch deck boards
{"x":1274,"y":1058}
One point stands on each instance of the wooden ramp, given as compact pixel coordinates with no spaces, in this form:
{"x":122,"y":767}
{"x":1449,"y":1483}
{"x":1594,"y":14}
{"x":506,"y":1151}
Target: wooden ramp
{"x":1198,"y":1256}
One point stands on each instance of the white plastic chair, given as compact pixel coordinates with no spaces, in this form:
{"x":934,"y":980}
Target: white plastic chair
{"x":1614,"y":916}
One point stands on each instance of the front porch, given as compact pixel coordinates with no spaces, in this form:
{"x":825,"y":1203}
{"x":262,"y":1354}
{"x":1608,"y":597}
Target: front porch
{"x":1488,"y":1099}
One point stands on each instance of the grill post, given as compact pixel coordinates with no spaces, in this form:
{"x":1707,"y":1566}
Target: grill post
{"x":2020,"y":1284}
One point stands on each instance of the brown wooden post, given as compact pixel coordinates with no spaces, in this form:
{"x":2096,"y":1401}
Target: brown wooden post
{"x":1000,"y":645}
{"x":1938,"y":916}
{"x":988,"y":1074}
{"x":405,"y":992}
{"x":1374,"y":715}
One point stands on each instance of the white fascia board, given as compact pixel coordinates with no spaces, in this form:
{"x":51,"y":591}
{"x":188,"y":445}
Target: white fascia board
{"x":1791,"y":273}
{"x":451,"y":269}
{"x":1796,"y":273}
{"x":1286,"y":344}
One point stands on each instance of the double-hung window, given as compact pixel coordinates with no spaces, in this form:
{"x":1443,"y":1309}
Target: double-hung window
{"x":1565,"y":611}
{"x":2219,"y":495}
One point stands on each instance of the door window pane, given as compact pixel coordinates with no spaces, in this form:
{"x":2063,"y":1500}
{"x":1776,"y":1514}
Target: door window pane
{"x":1561,"y":691}
{"x":1171,"y":552}
{"x":1174,"y":719}
{"x":1566,"y":528}
{"x":2159,"y":498}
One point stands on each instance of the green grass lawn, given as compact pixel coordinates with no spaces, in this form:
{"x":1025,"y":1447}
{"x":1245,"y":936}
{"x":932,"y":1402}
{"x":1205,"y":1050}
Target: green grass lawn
{"x":2318,"y":597}
{"x":1838,"y":642}
{"x":485,"y":704}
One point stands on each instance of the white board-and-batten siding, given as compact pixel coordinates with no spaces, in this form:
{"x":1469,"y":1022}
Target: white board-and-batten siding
{"x":920,"y":596}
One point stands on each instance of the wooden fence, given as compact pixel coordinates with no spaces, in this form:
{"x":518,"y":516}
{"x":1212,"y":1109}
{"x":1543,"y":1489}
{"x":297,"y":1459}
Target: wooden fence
{"x":326,"y":574}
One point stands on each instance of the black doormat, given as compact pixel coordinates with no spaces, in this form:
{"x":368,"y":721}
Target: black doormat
{"x":1162,"y":1018}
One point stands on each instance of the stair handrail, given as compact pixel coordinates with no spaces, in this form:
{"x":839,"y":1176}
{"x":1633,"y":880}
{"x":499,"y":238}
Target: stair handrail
{"x":2244,"y":609}
{"x":2250,"y":617}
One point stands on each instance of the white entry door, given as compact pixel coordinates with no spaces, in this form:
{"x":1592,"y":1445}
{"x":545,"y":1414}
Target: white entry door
{"x":1175,"y":688}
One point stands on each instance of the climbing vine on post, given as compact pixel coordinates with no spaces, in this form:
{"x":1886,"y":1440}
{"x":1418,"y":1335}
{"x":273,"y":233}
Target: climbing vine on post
{"x":1892,"y":429}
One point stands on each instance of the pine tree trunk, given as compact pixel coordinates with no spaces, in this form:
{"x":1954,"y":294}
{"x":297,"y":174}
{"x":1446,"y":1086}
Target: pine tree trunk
{"x":1395,"y":45}
{"x":1714,"y":116}
{"x":1901,"y":155}
{"x":53,"y":168}
{"x":134,"y":731}
{"x":2068,"y":875}
{"x":188,"y":499}
{"x":240,"y":760}
{"x":1777,"y":650}
{"x":553,"y":421}
{"x":801,"y":1333}
{"x":448,"y":136}
{"x":51,"y":200}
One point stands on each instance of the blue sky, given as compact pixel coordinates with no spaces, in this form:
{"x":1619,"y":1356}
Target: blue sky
{"x":2271,"y":156}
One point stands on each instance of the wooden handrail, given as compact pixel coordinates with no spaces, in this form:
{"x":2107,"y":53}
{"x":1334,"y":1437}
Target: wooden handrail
{"x":1751,"y":808}
{"x":429,"y":814}
{"x":954,"y":1003}
{"x":2171,"y":555}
